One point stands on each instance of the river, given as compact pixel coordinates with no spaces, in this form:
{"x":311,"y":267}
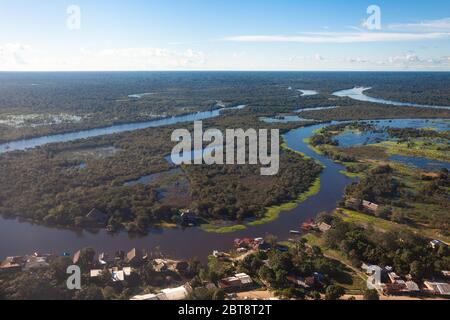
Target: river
{"x":90,"y":133}
{"x":23,"y":238}
{"x":17,"y":238}
{"x":357,"y":93}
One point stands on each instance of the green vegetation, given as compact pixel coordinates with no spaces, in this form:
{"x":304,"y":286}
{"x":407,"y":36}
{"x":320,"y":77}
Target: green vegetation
{"x":222,"y":229}
{"x":430,"y":150}
{"x":273,"y":212}
{"x":402,"y":250}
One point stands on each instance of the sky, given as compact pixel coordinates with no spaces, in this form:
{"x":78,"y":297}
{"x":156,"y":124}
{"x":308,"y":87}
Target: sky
{"x":285,"y":35}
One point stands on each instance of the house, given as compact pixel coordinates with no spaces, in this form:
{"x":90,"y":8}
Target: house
{"x":298,"y":281}
{"x":375,"y":274}
{"x":160,"y":265}
{"x":238,"y":282}
{"x":94,"y":273}
{"x":439,"y":288}
{"x":323,"y":227}
{"x":307,"y":225}
{"x":149,"y":297}
{"x":246,"y":243}
{"x":179,"y":293}
{"x":36,"y":262}
{"x":12,"y":264}
{"x":97,"y":217}
{"x":370,"y":207}
{"x":393,"y":277}
{"x":412,"y":287}
{"x":116,"y":274}
{"x":134,"y":256}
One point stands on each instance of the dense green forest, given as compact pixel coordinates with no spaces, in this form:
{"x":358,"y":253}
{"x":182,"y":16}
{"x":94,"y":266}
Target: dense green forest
{"x":102,"y":99}
{"x":59,"y":184}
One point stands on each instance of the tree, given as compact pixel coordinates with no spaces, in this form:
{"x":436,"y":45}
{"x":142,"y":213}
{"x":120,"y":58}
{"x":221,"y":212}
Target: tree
{"x":86,"y":257}
{"x":417,"y":270}
{"x":218,"y":294}
{"x":90,"y":293}
{"x":334,"y":292}
{"x":315,"y":295}
{"x":371,"y":295}
{"x":59,"y":268}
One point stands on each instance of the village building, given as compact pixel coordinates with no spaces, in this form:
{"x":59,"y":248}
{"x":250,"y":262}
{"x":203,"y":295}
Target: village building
{"x":163,"y":265}
{"x":149,"y":297}
{"x":116,"y":274}
{"x":439,"y":288}
{"x":412,"y":287}
{"x":370,"y":207}
{"x":159,"y":265}
{"x":35,"y":262}
{"x":322,"y":227}
{"x":446,"y":274}
{"x":179,"y":293}
{"x":298,"y":281}
{"x":238,"y":282}
{"x":251,"y":244}
{"x":26,"y":263}
{"x":12,"y":264}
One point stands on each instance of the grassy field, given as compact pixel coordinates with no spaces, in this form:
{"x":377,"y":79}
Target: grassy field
{"x":386,"y":225}
{"x":434,"y":151}
{"x":354,"y":282}
{"x":222,"y":229}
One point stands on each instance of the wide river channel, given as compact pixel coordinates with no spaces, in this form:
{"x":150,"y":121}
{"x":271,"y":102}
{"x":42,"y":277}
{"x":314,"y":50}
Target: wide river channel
{"x":18,"y":238}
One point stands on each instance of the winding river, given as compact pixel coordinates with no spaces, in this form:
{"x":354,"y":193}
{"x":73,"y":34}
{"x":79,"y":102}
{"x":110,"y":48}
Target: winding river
{"x":357,"y":93}
{"x":22,"y":237}
{"x":84,"y":134}
{"x":17,"y":238}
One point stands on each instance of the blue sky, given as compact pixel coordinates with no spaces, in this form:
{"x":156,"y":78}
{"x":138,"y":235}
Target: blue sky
{"x":223,"y":35}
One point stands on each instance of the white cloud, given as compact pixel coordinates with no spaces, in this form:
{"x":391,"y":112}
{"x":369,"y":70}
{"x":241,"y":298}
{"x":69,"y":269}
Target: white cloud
{"x":405,"y":61}
{"x":22,"y":57}
{"x":342,"y":37}
{"x":441,"y":25}
{"x":14,"y":54}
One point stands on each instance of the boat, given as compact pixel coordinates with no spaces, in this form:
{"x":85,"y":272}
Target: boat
{"x":294,"y":232}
